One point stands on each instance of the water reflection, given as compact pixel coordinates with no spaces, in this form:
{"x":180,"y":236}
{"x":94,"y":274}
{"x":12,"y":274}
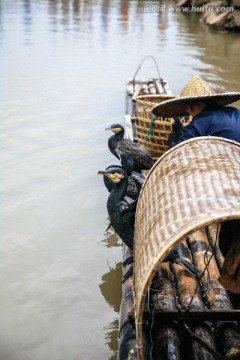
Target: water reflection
{"x":218,"y":53}
{"x":111,"y":290}
{"x":83,"y":12}
{"x":27,"y":15}
{"x":111,"y":286}
{"x":111,"y":337}
{"x":1,"y":23}
{"x":111,"y":240}
{"x":83,"y":18}
{"x":124,"y":8}
{"x":65,"y":9}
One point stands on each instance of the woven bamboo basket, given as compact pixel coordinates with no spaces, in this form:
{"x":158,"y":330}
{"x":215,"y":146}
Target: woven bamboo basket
{"x":196,"y":183}
{"x":152,"y":132}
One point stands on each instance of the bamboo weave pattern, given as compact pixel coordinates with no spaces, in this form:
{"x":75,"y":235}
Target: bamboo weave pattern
{"x":196,"y":183}
{"x":152,"y":132}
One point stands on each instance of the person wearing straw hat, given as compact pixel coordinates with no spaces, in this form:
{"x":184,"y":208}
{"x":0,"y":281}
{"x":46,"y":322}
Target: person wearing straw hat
{"x":210,"y":114}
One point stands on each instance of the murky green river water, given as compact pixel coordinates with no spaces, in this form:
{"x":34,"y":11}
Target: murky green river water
{"x":63,"y":70}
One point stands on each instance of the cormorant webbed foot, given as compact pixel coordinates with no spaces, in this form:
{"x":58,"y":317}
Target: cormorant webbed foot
{"x":127,"y":275}
{"x":108,"y":227}
{"x":128,"y":261}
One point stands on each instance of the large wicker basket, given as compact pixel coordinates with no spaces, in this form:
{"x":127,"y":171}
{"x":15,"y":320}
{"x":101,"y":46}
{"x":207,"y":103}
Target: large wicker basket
{"x":195,"y":184}
{"x":152,"y":132}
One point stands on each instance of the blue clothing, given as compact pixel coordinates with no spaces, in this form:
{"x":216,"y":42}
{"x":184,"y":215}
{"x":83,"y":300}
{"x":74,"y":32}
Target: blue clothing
{"x":214,"y":120}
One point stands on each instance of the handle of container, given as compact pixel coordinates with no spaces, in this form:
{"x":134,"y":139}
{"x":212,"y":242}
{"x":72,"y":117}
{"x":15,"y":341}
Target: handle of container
{"x":139,"y":67}
{"x":155,"y":62}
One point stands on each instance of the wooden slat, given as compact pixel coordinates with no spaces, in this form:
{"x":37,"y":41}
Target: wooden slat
{"x":193,"y":315}
{"x":166,"y":340}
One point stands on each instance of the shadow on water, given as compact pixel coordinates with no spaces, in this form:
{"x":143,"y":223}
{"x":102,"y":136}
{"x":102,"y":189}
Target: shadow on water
{"x":111,"y":337}
{"x":111,"y":291}
{"x":111,"y":240}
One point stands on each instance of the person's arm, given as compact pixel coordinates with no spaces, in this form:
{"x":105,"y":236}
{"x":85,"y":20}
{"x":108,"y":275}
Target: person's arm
{"x":201,"y":125}
{"x":190,"y":131}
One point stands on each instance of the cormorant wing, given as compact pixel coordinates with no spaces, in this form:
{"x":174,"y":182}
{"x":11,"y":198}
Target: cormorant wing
{"x":128,"y":200}
{"x":130,"y":146}
{"x":140,"y":155}
{"x":128,"y":220}
{"x":138,"y":178}
{"x":130,"y":207}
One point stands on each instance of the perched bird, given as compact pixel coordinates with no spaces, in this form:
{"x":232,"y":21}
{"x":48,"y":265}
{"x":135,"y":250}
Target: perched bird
{"x":141,"y":157}
{"x":135,"y":179}
{"x":177,"y":129}
{"x":121,"y":213}
{"x":126,"y":160}
{"x":133,"y":187}
{"x":122,"y":217}
{"x":109,"y":184}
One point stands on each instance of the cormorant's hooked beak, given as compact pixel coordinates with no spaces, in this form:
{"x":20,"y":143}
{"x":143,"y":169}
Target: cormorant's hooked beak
{"x":113,"y":177}
{"x":102,"y":173}
{"x":115,"y":130}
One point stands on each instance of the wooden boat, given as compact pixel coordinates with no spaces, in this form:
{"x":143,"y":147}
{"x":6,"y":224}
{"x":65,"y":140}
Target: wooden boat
{"x":183,"y":317}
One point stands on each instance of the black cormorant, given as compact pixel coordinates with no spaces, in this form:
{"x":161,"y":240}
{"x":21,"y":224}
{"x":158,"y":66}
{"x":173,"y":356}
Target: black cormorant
{"x":133,"y":188}
{"x":135,"y":179}
{"x":121,"y":213}
{"x":141,"y":157}
{"x":122,"y":216}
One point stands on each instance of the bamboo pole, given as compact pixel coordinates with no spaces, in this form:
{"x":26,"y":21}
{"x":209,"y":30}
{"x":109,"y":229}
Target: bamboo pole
{"x":127,"y":333}
{"x":213,"y":234}
{"x":200,"y":352}
{"x":229,"y":339}
{"x":152,"y":88}
{"x":166,"y":341}
{"x":145,"y":90}
{"x":194,"y":315}
{"x":216,"y":296}
{"x":137,"y":91}
{"x":127,"y":349}
{"x":189,"y":297}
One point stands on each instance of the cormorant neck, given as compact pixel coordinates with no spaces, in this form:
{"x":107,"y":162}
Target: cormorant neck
{"x":113,"y":140}
{"x":118,"y":192}
{"x":118,"y":136}
{"x":127,"y":163}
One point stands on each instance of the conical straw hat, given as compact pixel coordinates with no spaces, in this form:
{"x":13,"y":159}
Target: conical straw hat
{"x":196,"y":90}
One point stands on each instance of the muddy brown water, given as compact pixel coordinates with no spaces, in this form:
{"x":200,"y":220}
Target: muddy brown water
{"x":63,"y":70}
